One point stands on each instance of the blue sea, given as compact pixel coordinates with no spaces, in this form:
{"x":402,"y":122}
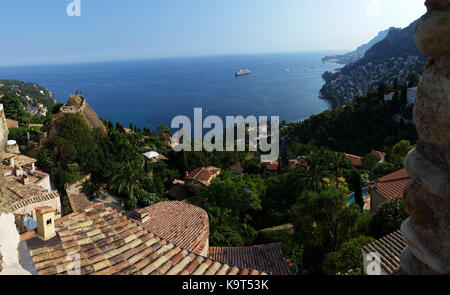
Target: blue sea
{"x":152,"y":92}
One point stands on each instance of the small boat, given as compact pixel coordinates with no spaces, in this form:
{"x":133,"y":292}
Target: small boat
{"x":243,"y":72}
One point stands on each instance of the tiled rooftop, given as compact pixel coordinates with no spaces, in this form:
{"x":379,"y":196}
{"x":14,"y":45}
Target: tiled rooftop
{"x":269,"y":257}
{"x":78,"y":201}
{"x":21,"y":191}
{"x":35,"y":200}
{"x":390,"y":248}
{"x":356,"y":160}
{"x":271,"y":166}
{"x":203,"y":175}
{"x":181,"y":223}
{"x":392,"y":185}
{"x":110,"y":244}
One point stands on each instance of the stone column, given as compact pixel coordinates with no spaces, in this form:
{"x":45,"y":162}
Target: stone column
{"x":427,"y":197}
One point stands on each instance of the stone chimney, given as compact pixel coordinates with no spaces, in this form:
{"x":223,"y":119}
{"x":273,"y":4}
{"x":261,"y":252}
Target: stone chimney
{"x":427,"y":197}
{"x":142,"y":216}
{"x":45,"y":216}
{"x":25,"y":180}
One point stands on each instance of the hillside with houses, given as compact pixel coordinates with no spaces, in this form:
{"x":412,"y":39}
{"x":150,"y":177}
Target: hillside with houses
{"x":239,"y":215}
{"x":394,"y":57}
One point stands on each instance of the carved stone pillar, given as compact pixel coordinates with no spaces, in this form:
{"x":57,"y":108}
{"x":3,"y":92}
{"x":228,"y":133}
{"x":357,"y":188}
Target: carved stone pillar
{"x":427,"y":197}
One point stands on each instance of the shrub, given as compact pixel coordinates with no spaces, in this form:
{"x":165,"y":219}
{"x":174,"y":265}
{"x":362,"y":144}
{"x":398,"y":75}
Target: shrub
{"x":130,"y":204}
{"x":348,"y":257}
{"x":388,"y":218}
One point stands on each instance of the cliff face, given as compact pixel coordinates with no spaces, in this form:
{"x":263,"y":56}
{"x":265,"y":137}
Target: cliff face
{"x":77,"y":105}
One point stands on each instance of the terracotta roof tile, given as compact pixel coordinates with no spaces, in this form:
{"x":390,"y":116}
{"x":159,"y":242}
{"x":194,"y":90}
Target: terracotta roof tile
{"x":181,"y":223}
{"x":268,"y":258}
{"x":390,"y":248}
{"x":110,"y":244}
{"x":78,"y":202}
{"x":203,"y":175}
{"x":356,"y":160}
{"x":392,"y":185}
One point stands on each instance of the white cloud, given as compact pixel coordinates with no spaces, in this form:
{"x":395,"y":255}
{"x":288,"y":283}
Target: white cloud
{"x":374,"y":9}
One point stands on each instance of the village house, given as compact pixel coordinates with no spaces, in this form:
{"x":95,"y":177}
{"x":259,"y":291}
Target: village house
{"x":387,"y":187}
{"x":201,"y":176}
{"x":109,"y":243}
{"x":356,"y":160}
{"x":28,"y":187}
{"x":380,"y":155}
{"x":154,"y":157}
{"x":271,"y":166}
{"x":300,"y":161}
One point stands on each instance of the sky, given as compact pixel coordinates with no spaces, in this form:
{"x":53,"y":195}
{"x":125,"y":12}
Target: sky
{"x":42,"y":32}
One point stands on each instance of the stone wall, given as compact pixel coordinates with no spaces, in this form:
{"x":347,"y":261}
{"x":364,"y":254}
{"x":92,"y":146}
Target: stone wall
{"x":427,"y":197}
{"x":3,"y":129}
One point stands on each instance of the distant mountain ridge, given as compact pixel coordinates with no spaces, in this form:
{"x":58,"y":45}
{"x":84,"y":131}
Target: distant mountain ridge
{"x":359,"y":53}
{"x":395,"y":56}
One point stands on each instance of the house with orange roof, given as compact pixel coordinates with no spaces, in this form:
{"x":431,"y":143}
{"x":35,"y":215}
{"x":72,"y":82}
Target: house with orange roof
{"x":99,"y":240}
{"x":271,"y":166}
{"x":387,"y":187}
{"x":380,"y":155}
{"x":356,"y":160}
{"x":201,"y":176}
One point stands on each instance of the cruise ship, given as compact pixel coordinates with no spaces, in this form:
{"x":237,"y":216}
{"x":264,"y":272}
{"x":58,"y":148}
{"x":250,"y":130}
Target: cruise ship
{"x":243,"y":72}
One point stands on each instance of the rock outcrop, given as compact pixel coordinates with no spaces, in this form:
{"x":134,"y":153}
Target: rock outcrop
{"x":77,"y":105}
{"x":427,"y":197}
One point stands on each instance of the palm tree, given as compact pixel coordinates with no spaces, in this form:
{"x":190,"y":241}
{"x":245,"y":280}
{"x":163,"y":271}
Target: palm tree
{"x":129,"y":176}
{"x":337,"y":159}
{"x":314,"y":172}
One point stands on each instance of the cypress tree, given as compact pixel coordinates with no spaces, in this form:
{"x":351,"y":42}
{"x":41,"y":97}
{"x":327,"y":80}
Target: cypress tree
{"x":358,"y":190}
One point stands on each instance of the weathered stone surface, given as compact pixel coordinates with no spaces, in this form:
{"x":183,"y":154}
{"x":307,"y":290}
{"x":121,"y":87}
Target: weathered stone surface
{"x":427,"y":197}
{"x":432,"y":114}
{"x":77,"y":105}
{"x":436,"y":261}
{"x":438,"y":4}
{"x":4,"y":202}
{"x":433,"y":33}
{"x":3,"y":129}
{"x":443,"y":64}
